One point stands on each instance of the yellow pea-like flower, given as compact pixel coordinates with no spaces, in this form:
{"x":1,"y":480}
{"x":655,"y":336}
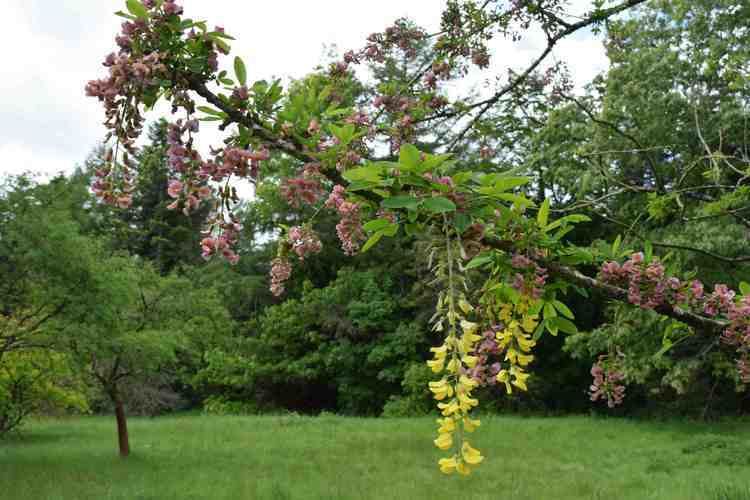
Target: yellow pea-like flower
{"x":442,"y":389}
{"x":504,"y":338}
{"x":470,"y":425}
{"x":471,"y":455}
{"x":447,"y":425}
{"x":436,"y":364}
{"x":465,"y":306}
{"x":519,"y":378}
{"x":504,"y":377}
{"x":468,"y":327}
{"x":466,"y":402}
{"x":465,"y":384}
{"x":525,"y":359}
{"x":444,"y":441}
{"x":529,"y":323}
{"x":440,"y":351}
{"x":470,"y":361}
{"x":506,"y":313}
{"x":525,"y":343}
{"x":462,"y":468}
{"x":453,"y":365}
{"x":448,"y":465}
{"x":511,"y":355}
{"x":449,"y":409}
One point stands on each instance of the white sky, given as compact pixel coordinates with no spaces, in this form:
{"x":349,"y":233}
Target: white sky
{"x":51,"y":48}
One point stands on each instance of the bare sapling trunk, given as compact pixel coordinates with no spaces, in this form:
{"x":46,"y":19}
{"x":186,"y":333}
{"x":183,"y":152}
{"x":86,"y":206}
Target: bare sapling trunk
{"x":122,"y":423}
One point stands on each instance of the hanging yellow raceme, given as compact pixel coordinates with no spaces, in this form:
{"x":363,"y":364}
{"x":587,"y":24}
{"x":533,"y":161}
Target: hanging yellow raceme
{"x":453,"y":391}
{"x":517,"y":341}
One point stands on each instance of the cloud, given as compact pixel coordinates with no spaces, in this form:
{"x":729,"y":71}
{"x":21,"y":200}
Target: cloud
{"x":52,"y":48}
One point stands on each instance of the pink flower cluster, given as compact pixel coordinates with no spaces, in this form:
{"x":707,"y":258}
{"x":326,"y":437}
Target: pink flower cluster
{"x":129,"y":74}
{"x":281,"y":271}
{"x":114,"y":190}
{"x":531,"y":279}
{"x":647,"y":285}
{"x":484,"y":372}
{"x":223,"y":242}
{"x":184,"y":160}
{"x":195,"y":172}
{"x":401,"y":35}
{"x":650,"y":288}
{"x":305,"y":188}
{"x":349,"y":228}
{"x":608,"y":383}
{"x":304,"y":241}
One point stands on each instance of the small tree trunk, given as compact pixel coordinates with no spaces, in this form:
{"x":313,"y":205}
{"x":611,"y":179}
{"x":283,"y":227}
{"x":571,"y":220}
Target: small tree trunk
{"x":122,"y":423}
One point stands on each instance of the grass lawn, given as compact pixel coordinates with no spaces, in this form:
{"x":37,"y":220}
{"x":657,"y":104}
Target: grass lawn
{"x":291,"y":457}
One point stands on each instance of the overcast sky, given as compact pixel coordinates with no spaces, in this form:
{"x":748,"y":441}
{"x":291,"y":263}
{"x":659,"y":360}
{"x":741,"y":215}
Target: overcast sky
{"x":51,"y":48}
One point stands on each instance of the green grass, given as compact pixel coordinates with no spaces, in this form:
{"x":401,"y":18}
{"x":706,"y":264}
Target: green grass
{"x":290,"y":457}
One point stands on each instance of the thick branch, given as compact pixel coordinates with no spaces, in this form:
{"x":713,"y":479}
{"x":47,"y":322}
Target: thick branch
{"x":697,"y":321}
{"x":290,"y":147}
{"x":235,"y":116}
{"x":700,"y":323}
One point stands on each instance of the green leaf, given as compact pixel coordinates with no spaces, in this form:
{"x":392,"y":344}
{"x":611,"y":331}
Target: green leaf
{"x":240,"y":70}
{"x":508,"y":183}
{"x":362,"y":185}
{"x":211,"y":111}
{"x":408,"y":202}
{"x":568,"y":219}
{"x":376,"y":225}
{"x":563,"y":309}
{"x":391,"y":230}
{"x":344,"y":134}
{"x":551,"y":327}
{"x":224,"y":46}
{"x":409,"y":157}
{"x":666,"y":346}
{"x":220,"y":34}
{"x":543,"y":216}
{"x":649,"y":251}
{"x":479,"y":261}
{"x":616,"y":245}
{"x":461,"y":222}
{"x":368,"y":173}
{"x":371,"y":242}
{"x":564,"y":325}
{"x":519,"y":200}
{"x":745,"y":288}
{"x":137,"y":9}
{"x":549,"y":310}
{"x":438,"y":204}
{"x":434,"y":161}
{"x":412,"y":229}
{"x":125,"y":15}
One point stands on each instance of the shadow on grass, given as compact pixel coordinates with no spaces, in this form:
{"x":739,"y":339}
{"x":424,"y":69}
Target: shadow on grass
{"x":26,"y":438}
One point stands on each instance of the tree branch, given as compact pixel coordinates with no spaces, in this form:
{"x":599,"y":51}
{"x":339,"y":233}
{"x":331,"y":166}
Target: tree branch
{"x":701,"y":323}
{"x":486,"y":104}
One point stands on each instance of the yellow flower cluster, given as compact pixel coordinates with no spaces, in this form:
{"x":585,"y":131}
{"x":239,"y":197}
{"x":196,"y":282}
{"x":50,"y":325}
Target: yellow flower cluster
{"x":453,"y":391}
{"x":515,"y":339}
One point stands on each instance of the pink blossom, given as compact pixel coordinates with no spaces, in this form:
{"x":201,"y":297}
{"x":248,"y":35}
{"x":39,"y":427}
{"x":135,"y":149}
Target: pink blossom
{"x":281,"y":271}
{"x":304,"y":241}
{"x":174,"y":188}
{"x":607,"y":384}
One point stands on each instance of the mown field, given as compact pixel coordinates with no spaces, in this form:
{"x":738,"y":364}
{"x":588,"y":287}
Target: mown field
{"x":292,"y":457}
